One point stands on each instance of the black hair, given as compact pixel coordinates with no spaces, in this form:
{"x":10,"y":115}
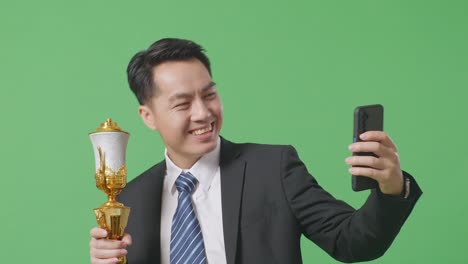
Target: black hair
{"x":140,"y":68}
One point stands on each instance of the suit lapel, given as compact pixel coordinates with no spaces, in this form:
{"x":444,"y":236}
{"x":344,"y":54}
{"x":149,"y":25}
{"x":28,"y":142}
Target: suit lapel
{"x":232,"y":183}
{"x":158,"y":177}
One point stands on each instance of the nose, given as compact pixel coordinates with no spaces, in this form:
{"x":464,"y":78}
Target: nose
{"x":200,"y":111}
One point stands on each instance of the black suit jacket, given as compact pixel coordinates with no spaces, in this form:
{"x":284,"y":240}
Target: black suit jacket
{"x":268,"y":201}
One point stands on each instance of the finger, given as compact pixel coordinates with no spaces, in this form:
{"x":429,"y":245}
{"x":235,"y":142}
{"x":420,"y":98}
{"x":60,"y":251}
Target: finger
{"x":127,"y":239}
{"x":368,"y":161}
{"x":107,"y":244}
{"x":365,"y":172}
{"x":104,"y":261}
{"x":98,"y":233}
{"x":379,"y":136}
{"x":107,"y":253}
{"x":372,"y":146}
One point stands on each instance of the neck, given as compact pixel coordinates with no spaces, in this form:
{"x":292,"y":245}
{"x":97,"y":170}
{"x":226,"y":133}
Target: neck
{"x":184,"y":163}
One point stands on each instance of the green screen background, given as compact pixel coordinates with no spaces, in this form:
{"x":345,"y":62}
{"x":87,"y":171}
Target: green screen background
{"x":288,"y":72}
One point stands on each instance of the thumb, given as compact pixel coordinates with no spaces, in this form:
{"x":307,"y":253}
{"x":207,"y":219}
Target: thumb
{"x":127,"y":239}
{"x":98,"y":233}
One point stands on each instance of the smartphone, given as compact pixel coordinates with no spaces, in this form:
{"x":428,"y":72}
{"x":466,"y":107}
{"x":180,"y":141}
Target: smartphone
{"x":366,"y":118}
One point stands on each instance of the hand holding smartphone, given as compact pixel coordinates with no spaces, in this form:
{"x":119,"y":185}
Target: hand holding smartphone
{"x":366,"y":118}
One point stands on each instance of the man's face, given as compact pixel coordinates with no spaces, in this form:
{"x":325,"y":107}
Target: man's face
{"x":186,"y":110}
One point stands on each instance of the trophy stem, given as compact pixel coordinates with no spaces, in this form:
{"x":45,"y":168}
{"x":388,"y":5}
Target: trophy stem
{"x":112,"y":203}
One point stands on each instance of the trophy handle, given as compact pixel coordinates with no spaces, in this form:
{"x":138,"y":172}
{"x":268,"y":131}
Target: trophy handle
{"x":117,"y":227}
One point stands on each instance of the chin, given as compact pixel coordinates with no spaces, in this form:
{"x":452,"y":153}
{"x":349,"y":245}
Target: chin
{"x":206,"y":147}
{"x":209,"y":147}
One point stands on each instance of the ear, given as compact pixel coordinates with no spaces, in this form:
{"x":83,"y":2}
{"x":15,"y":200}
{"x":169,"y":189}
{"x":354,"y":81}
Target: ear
{"x":148,"y":117}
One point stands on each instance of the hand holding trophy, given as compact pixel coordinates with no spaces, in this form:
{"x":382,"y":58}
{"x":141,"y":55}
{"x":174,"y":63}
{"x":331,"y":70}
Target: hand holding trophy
{"x":109,"y":144}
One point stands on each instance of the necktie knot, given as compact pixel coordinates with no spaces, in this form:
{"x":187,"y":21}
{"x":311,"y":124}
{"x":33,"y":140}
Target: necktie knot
{"x":186,"y":182}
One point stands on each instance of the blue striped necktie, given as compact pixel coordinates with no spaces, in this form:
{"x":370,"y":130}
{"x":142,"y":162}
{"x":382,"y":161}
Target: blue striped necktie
{"x":186,"y":237}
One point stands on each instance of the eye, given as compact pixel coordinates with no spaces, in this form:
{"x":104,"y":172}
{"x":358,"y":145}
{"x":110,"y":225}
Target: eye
{"x":182,"y":105}
{"x":210,"y":95}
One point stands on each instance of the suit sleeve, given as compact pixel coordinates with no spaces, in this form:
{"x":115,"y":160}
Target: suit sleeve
{"x":346,"y":234}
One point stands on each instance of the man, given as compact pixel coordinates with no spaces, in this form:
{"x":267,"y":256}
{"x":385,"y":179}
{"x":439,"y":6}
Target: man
{"x":213,"y":201}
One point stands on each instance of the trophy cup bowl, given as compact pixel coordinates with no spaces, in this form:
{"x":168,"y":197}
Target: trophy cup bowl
{"x":109,"y":144}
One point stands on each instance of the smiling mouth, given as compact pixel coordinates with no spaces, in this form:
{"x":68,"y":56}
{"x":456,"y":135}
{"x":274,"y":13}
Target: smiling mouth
{"x":203,"y":130}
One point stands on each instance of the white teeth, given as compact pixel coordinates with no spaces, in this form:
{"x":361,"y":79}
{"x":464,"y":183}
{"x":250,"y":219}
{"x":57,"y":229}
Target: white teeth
{"x":202,"y":130}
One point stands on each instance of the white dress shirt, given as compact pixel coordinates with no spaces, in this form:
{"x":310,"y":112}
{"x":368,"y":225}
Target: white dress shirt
{"x":206,"y":202}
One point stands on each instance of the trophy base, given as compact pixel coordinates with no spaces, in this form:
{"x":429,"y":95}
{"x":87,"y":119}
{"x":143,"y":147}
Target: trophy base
{"x":113,"y":220}
{"x":122,"y":260}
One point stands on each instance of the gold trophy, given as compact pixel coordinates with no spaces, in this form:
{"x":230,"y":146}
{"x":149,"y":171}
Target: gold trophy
{"x":109,"y":144}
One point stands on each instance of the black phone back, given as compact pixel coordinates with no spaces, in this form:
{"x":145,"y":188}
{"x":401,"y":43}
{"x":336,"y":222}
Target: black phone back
{"x":366,"y":118}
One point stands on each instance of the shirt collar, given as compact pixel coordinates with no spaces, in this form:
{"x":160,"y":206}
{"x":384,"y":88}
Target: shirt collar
{"x":204,"y":169}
